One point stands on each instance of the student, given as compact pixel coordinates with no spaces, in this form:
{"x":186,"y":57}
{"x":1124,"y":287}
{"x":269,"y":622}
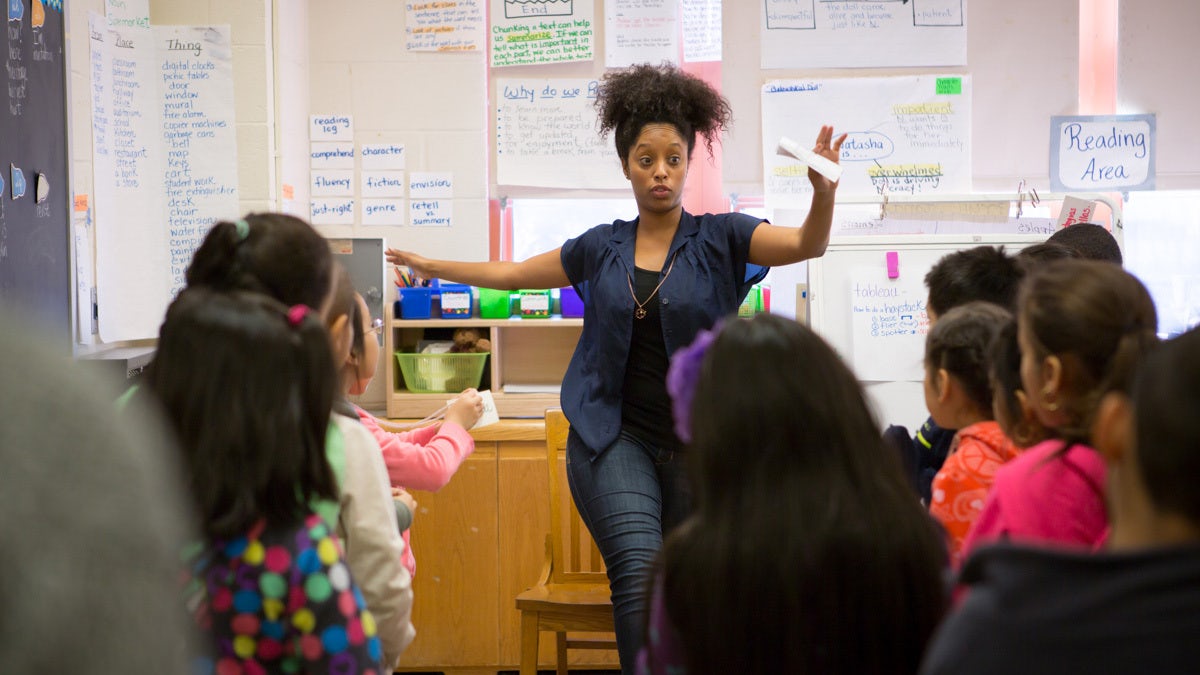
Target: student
{"x":983,"y":273}
{"x":1090,"y":241}
{"x":1132,"y":609}
{"x":649,"y":285}
{"x":94,"y":518}
{"x":1010,"y":404}
{"x":1031,"y":257}
{"x":806,"y":552}
{"x":1082,"y":327}
{"x":959,"y":396}
{"x":343,"y":315}
{"x":424,"y":459}
{"x":285,"y":258}
{"x":247,"y":384}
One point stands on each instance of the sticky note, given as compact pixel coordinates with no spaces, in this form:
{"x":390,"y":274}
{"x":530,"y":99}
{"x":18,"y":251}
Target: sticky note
{"x":949,"y":85}
{"x":893,"y":265}
{"x":829,"y":169}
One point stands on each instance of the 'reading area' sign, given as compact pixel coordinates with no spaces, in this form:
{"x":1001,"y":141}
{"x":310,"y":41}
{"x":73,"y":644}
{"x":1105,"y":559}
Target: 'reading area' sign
{"x":1102,"y":152}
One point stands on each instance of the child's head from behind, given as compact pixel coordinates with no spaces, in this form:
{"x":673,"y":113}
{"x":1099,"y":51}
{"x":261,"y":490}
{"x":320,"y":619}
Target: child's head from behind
{"x":984,"y":273}
{"x":774,"y":381}
{"x":247,"y":385}
{"x":1082,"y":327}
{"x":270,"y":253}
{"x":1010,"y":404}
{"x":339,"y":318}
{"x":795,"y":488}
{"x":1090,"y":241}
{"x":359,"y":367}
{"x":957,"y":389}
{"x":1150,"y":434}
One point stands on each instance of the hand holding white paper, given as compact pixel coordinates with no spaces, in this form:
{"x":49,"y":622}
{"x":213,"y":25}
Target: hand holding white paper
{"x":829,"y":169}
{"x":489,"y":415}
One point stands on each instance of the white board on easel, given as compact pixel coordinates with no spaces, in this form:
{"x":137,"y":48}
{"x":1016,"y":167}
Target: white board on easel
{"x":877,"y":323}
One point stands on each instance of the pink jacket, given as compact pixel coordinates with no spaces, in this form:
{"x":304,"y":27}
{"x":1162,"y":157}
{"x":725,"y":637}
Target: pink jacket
{"x":422,"y":459}
{"x":1041,"y":498}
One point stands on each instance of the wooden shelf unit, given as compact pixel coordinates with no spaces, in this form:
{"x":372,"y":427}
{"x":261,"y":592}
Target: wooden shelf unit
{"x":525,"y":353}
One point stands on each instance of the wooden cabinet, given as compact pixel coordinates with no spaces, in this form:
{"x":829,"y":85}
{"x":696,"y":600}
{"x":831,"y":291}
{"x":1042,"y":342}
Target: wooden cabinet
{"x":479,"y":542}
{"x":524,"y":370}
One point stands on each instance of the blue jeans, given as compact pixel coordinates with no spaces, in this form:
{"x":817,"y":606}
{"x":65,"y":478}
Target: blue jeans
{"x":628,"y":496}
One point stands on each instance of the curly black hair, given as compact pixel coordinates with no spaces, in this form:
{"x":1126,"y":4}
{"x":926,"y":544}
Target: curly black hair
{"x":644,"y":94}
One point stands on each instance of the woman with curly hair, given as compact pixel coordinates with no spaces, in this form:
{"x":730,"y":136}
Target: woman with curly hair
{"x":649,"y":286}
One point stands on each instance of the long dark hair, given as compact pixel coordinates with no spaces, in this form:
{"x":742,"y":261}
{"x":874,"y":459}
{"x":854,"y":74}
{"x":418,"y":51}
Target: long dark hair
{"x":272,"y":253}
{"x":247,"y":386}
{"x":807,"y":552}
{"x":1166,"y":394}
{"x":1099,"y":320}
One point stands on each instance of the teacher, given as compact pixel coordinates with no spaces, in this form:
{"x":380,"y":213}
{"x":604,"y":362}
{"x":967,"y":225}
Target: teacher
{"x":649,"y":285}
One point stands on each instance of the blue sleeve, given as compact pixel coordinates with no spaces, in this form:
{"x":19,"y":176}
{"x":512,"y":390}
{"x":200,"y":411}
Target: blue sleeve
{"x":741,"y":231}
{"x":580,"y":254}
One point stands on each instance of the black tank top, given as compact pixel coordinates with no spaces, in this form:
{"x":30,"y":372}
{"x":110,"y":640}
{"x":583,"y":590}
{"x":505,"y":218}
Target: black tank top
{"x":645,"y":404}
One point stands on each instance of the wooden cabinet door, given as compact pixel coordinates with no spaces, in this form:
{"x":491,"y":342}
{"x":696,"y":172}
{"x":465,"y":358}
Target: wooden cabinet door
{"x":454,"y":537}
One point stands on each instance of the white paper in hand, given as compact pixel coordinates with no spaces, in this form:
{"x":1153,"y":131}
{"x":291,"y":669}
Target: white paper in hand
{"x":489,"y":416}
{"x":829,"y":169}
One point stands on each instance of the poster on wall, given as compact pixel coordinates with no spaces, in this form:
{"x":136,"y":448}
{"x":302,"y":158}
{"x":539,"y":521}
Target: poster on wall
{"x":534,"y":32}
{"x":888,"y":317}
{"x":445,"y":26}
{"x":546,"y":136}
{"x":908,"y":135}
{"x":701,"y":23}
{"x":640,"y":31}
{"x":1099,"y":153}
{"x":128,"y":168}
{"x":847,"y":34}
{"x":164,"y":156}
{"x":199,"y":133}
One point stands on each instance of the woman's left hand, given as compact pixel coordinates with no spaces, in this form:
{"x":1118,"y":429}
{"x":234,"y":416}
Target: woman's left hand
{"x":829,"y":148}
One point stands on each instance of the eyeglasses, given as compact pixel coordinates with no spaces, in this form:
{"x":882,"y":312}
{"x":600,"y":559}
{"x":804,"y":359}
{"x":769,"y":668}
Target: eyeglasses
{"x":376,"y":327}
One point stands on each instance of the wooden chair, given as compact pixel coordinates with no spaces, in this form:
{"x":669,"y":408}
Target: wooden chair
{"x":572,"y":594}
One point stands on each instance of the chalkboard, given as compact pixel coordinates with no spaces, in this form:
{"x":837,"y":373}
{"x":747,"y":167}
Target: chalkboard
{"x":877,"y":322}
{"x":35,"y":270}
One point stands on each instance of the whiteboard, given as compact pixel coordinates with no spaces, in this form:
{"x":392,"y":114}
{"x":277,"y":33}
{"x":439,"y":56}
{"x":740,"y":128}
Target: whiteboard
{"x":877,"y":324}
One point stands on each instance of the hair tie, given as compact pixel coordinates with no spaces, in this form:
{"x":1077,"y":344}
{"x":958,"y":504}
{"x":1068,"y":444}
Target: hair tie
{"x":296,"y":314}
{"x":243,"y":229}
{"x":682,"y":376}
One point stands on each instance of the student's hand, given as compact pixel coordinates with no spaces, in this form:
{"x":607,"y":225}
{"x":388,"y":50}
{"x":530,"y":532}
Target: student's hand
{"x":420,"y":265}
{"x":466,"y":409}
{"x":830,"y":149}
{"x":401,"y":495}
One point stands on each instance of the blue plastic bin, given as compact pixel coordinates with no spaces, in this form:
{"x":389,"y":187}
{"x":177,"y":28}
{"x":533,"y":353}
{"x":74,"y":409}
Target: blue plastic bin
{"x":457,"y":301}
{"x":416,"y":303}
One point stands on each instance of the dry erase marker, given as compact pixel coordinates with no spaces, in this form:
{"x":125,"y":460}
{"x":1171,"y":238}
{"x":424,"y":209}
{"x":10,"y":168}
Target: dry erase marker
{"x":829,"y":169}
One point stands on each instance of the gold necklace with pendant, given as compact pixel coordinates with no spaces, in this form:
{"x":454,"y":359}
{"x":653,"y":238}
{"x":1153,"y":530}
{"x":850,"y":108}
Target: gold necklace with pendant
{"x":640,"y":312}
